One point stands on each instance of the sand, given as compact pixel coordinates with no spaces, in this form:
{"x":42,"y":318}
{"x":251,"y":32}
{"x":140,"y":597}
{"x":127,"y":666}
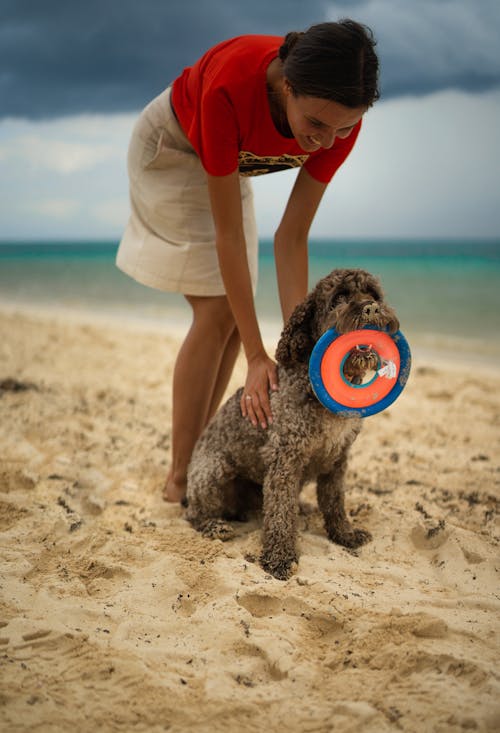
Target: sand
{"x":115,"y":615}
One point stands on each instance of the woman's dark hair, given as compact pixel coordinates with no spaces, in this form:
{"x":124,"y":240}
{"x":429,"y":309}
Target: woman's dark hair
{"x":335,"y":61}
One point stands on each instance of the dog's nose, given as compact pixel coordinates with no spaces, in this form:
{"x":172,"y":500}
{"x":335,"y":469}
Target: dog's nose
{"x":370,"y":310}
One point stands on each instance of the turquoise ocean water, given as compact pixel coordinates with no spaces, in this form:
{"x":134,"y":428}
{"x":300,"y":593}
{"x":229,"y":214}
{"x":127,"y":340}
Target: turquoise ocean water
{"x":446,"y":292}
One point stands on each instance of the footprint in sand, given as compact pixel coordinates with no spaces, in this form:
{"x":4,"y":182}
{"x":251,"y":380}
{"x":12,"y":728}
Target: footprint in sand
{"x":35,"y":635}
{"x":10,"y":515}
{"x":4,"y":639}
{"x":15,"y":480}
{"x":473,"y":558}
{"x":35,"y":639}
{"x":429,"y":536}
{"x":64,"y":653}
{"x":94,"y":573}
{"x":270,"y":654}
{"x":262,"y":605}
{"x":26,"y":639}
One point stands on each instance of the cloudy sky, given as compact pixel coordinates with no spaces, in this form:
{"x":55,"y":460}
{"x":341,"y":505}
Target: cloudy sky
{"x":75,"y":74}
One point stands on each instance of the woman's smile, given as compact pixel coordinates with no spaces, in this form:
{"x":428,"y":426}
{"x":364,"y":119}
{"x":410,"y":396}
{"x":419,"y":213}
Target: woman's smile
{"x":315,"y":122}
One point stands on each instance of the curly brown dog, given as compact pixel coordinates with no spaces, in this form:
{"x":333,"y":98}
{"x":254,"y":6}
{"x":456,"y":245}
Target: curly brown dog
{"x":305,"y":442}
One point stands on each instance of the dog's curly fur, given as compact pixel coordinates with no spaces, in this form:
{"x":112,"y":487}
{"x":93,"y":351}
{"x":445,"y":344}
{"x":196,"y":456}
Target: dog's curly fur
{"x":305,"y":441}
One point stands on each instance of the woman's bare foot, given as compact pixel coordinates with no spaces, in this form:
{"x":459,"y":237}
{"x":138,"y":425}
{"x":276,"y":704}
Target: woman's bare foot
{"x":174,"y":491}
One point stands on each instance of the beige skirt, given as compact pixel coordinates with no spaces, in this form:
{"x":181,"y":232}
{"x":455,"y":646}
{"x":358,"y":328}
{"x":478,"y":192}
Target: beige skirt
{"x":169,"y":241}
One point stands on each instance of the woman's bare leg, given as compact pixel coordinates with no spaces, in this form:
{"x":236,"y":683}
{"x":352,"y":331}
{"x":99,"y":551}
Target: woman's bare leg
{"x":225,"y":371}
{"x":202,"y":370}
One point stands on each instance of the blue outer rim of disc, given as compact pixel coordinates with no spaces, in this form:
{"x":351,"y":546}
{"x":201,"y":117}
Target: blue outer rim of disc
{"x":342,"y":410}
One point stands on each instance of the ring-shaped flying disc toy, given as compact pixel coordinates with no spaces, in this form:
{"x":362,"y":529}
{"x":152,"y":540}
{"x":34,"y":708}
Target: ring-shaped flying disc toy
{"x":337,"y":393}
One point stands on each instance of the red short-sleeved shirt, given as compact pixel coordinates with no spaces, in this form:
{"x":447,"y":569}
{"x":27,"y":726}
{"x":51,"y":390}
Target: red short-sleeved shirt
{"x":222,"y":106}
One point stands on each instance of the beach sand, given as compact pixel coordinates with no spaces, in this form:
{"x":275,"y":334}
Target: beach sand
{"x":115,"y":615}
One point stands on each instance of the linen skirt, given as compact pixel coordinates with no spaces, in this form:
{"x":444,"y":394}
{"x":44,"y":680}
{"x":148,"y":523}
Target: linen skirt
{"x":169,"y":241}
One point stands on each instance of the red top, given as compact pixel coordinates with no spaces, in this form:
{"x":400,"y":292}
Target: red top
{"x":222,"y":105}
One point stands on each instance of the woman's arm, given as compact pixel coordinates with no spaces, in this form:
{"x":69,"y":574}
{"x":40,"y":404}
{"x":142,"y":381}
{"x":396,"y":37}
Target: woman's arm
{"x":290,"y":241}
{"x":225,"y":199}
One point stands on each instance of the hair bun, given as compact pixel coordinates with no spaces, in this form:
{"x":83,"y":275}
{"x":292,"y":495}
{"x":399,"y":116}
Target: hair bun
{"x":288,"y":44}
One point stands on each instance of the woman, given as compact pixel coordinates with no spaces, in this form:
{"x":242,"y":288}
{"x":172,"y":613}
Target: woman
{"x":250,"y":105}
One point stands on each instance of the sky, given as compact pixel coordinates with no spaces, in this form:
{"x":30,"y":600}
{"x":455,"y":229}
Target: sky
{"x":74,"y":76}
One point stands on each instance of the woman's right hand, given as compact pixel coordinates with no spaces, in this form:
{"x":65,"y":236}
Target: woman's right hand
{"x":262,"y":376}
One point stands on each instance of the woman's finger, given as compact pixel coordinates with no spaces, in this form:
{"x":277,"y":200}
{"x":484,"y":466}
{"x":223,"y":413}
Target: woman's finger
{"x":266,"y":415}
{"x":251,"y":410}
{"x":246,"y":404}
{"x":259,"y":412}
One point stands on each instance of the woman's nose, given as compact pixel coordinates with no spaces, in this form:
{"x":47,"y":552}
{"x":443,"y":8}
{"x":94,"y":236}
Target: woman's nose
{"x":327,"y":139}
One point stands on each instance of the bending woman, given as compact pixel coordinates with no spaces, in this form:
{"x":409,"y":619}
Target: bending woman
{"x":251,"y":105}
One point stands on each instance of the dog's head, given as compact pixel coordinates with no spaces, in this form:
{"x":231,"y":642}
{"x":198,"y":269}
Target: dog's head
{"x":345,"y":300}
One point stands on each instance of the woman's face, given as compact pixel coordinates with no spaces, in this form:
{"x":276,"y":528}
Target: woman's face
{"x":315,"y":122}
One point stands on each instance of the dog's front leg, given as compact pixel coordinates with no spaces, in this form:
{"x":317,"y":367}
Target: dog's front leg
{"x":281,"y":509}
{"x":330,"y":492}
{"x":208,"y":476}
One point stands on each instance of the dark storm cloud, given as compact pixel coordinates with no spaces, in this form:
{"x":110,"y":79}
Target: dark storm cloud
{"x":61,"y":57}
{"x":430,"y":45}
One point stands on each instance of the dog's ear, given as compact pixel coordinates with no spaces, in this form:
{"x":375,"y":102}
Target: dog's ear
{"x":393,"y":324}
{"x":392,"y":319}
{"x":297,"y":338}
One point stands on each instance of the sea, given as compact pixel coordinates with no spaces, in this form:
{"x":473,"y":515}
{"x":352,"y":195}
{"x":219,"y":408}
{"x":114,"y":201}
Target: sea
{"x":446,"y":292}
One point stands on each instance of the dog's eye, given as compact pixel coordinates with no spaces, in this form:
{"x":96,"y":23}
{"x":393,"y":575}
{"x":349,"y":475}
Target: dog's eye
{"x":339,"y":296}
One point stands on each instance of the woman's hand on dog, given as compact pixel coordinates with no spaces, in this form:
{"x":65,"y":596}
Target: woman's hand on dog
{"x":262,"y":376}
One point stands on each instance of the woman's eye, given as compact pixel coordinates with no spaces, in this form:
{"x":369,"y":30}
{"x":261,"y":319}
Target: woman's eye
{"x":345,"y":132}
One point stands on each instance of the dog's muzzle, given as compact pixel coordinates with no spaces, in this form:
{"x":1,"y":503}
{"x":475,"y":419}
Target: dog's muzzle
{"x":371,"y":311}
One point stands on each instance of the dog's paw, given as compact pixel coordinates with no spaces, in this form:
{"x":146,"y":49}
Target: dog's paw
{"x":280,"y":568}
{"x":351,"y":538}
{"x":217,"y":529}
